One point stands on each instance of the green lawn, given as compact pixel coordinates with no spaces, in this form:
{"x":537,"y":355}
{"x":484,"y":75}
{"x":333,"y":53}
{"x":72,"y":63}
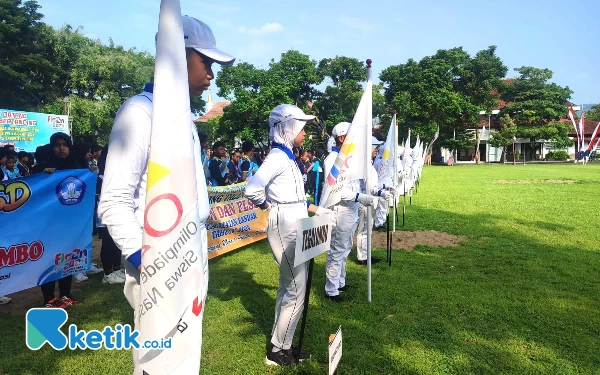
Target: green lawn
{"x":521,"y":296}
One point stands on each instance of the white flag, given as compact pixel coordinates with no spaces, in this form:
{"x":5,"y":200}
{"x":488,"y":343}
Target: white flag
{"x":385,"y":171}
{"x":351,"y":161}
{"x":172,"y":284}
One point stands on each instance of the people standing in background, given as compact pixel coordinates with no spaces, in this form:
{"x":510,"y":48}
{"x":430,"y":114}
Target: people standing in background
{"x":217,"y":167}
{"x":61,"y":158}
{"x":233,"y":166}
{"x":247,"y":167}
{"x":23,"y":164}
{"x":10,"y":170}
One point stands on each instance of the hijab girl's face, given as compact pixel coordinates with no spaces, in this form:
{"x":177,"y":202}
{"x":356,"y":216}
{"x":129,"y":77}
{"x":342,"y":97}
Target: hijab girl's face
{"x":61,"y":149}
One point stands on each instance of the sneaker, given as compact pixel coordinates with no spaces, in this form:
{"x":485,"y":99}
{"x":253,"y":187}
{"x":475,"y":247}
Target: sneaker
{"x":344,"y":288}
{"x":280,"y":358}
{"x":373,"y":261}
{"x":55,"y":303}
{"x":69,"y":301}
{"x":112,"y":278}
{"x":120,"y":273}
{"x":303,"y":355}
{"x":95,"y":269}
{"x":336,"y":299}
{"x":80,"y":277}
{"x":4,"y":300}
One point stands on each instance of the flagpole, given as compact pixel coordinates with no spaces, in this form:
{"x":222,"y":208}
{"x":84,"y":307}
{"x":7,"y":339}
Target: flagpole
{"x":368,"y":184}
{"x":395,"y":174}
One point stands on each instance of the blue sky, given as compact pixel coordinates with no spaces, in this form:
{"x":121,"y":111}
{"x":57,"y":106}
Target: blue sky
{"x":562,"y":36}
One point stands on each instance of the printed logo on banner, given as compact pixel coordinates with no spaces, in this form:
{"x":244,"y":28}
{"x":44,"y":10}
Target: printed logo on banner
{"x":57,"y":122}
{"x":13,"y":195}
{"x":67,"y":264}
{"x":70,"y":191}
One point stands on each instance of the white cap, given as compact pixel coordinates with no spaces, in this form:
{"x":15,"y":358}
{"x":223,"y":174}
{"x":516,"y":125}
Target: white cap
{"x":285,"y":112}
{"x":199,"y":36}
{"x":375,"y":141}
{"x":340,"y":129}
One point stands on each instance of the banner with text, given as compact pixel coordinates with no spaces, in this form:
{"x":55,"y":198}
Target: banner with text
{"x":28,"y":130}
{"x":233,"y":221}
{"x":46,"y":227}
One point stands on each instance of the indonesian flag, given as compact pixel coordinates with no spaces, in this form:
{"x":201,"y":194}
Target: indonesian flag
{"x":386,"y":172}
{"x":172,"y":284}
{"x":593,"y":139}
{"x":354,"y":157}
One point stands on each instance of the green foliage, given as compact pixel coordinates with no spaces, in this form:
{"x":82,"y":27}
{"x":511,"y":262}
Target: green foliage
{"x":557,"y":155}
{"x":593,"y":113}
{"x":445,"y":91}
{"x":504,"y":137}
{"x":29,"y":77}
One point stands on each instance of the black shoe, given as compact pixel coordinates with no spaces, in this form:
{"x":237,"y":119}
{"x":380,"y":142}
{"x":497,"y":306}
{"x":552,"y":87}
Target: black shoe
{"x":344,"y":288}
{"x":280,"y":358}
{"x":299,"y":357}
{"x":336,"y":299}
{"x":373,"y":261}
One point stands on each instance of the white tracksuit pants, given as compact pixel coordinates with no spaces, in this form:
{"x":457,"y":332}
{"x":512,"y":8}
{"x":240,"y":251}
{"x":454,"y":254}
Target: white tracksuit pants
{"x":131,"y":289}
{"x":361,"y":237}
{"x":289,"y":304}
{"x":381,"y":212}
{"x":342,"y":236}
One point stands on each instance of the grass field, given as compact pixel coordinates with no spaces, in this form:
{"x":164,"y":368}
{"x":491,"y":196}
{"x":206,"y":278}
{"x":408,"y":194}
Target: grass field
{"x":520,"y":296}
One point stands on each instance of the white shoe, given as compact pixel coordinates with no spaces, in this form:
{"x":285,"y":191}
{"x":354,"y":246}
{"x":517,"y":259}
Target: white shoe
{"x":80,"y":277}
{"x":112,"y":279}
{"x":120,"y":273}
{"x":4,"y":300}
{"x":94,"y":269}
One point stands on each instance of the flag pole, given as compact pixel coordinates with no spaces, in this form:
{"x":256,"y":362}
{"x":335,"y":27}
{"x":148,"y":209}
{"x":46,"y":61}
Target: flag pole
{"x":368,"y":183}
{"x":395,"y":173}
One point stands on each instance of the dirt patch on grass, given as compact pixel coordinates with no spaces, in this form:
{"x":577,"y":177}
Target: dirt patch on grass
{"x":32,"y":297}
{"x":408,"y":240}
{"x":525,"y":182}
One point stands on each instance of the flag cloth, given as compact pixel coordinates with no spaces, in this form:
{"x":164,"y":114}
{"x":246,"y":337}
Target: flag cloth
{"x":581,"y":130}
{"x":172,"y":282}
{"x":351,"y":161}
{"x":593,"y":138}
{"x":385,"y":170}
{"x":571,"y":115}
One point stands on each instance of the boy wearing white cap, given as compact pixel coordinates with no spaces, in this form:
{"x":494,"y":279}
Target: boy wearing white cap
{"x":123,"y":199}
{"x":346,"y":220}
{"x":285,"y":198}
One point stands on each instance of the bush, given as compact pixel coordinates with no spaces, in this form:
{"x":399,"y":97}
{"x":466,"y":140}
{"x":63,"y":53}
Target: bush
{"x":557,"y":155}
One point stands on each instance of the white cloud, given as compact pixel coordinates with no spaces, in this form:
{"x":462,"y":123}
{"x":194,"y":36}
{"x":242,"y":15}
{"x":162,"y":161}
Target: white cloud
{"x":357,"y":23}
{"x":267,"y":28}
{"x":221,"y":8}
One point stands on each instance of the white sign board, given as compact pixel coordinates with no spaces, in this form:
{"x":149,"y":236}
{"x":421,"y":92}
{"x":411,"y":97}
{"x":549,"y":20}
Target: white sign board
{"x":313,"y":238}
{"x":335,"y":351}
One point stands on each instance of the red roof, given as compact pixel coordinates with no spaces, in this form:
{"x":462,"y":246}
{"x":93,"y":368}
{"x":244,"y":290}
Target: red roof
{"x":588,"y":127}
{"x":216,"y":110}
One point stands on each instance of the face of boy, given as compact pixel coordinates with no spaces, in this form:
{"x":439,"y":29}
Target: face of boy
{"x":199,"y":72}
{"x":10,"y":164}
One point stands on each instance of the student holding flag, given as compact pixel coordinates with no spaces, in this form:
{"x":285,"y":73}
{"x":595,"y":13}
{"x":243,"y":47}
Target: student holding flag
{"x":285,"y":198}
{"x":346,"y":221}
{"x":127,"y":182}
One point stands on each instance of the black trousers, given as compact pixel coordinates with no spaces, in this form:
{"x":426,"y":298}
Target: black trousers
{"x":64,"y":288}
{"x":110,"y":254}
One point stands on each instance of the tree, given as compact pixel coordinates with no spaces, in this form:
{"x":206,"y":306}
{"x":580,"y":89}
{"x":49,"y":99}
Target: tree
{"x":504,"y":137}
{"x":536,"y":106}
{"x":593,"y":113}
{"x":255,"y":92}
{"x":445,"y":91}
{"x":29,"y":79}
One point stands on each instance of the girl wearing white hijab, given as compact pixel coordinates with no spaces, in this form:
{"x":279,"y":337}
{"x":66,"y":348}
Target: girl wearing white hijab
{"x":279,"y":188}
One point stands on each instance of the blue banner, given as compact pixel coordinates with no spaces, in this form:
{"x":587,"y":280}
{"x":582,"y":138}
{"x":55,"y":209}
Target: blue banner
{"x":28,"y":130}
{"x":45,"y":227}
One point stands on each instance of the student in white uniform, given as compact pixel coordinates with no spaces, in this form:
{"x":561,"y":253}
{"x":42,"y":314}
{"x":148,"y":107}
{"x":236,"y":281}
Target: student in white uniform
{"x":346,"y":220}
{"x":123,"y":198}
{"x":384,"y":195}
{"x":280,"y":177}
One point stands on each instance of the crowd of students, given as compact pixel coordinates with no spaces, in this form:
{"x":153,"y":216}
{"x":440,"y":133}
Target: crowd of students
{"x":59,"y":154}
